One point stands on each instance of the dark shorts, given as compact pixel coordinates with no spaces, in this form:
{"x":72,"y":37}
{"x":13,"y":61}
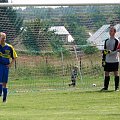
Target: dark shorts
{"x":110,"y":67}
{"x":4,"y":71}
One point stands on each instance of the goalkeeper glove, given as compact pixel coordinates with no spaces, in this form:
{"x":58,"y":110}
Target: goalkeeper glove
{"x":105,"y":52}
{"x":103,"y":63}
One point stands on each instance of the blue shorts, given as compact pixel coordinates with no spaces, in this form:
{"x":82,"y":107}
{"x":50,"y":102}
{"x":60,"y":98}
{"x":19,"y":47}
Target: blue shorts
{"x":4,"y":71}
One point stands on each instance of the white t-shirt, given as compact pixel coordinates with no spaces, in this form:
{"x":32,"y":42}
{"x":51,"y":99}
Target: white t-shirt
{"x":113,"y":56}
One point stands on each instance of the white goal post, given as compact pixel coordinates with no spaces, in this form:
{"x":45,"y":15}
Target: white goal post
{"x":57,"y":4}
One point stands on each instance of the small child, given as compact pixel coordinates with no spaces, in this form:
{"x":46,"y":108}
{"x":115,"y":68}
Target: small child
{"x":73,"y":76}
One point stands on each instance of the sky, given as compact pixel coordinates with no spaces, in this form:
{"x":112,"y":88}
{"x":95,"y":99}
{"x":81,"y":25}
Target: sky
{"x":62,"y":1}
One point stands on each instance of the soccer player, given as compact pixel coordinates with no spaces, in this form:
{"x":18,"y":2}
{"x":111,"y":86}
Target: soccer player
{"x":73,"y":76}
{"x":111,"y":59}
{"x":7,"y":58}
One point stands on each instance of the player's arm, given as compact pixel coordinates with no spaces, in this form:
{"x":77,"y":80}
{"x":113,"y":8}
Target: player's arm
{"x":11,"y":63}
{"x":104,"y":53}
{"x":118,"y":47}
{"x":111,"y":52}
{"x":13,"y":56}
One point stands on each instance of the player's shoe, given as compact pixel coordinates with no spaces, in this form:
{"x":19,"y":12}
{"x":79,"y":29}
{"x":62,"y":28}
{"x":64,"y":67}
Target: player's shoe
{"x":4,"y":100}
{"x":103,"y":89}
{"x":117,"y":90}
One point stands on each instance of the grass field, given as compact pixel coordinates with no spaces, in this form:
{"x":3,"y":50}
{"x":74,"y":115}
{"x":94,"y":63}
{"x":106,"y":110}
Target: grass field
{"x":71,"y":104}
{"x":35,"y":95}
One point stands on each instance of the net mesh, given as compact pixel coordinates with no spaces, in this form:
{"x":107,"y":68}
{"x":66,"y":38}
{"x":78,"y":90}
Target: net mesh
{"x":51,"y":40}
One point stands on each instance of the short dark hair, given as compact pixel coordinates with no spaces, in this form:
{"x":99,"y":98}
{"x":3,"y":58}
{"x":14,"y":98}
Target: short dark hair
{"x":112,"y":27}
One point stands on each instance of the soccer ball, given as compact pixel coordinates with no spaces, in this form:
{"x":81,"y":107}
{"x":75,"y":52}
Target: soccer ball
{"x":94,"y":85}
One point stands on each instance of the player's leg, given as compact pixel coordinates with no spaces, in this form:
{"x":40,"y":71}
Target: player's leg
{"x":116,"y":79}
{"x":5,"y":80}
{"x":5,"y":91}
{"x":73,"y":82}
{"x":116,"y":76}
{"x":106,"y":81}
{"x":107,"y":69}
{"x":0,"y":89}
{"x":1,"y":75}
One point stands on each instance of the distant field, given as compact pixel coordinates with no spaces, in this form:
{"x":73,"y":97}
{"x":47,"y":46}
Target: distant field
{"x":72,"y":104}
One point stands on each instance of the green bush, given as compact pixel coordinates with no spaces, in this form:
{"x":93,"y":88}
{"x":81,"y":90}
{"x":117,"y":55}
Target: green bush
{"x":90,"y":50}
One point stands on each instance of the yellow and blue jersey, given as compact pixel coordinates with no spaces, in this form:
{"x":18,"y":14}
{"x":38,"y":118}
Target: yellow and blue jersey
{"x":7,"y":53}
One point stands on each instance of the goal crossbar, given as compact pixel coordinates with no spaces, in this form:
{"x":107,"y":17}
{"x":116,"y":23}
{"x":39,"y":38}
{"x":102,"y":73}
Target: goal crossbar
{"x":54,"y":4}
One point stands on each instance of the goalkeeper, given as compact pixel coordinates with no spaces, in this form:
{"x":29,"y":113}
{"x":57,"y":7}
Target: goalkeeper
{"x":7,"y":58}
{"x":73,"y":76}
{"x":110,"y":60}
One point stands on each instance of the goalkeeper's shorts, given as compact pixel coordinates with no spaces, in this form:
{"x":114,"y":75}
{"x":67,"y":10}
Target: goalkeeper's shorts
{"x":110,"y":67}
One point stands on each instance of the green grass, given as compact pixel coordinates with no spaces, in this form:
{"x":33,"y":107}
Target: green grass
{"x":33,"y":97}
{"x":37,"y":96}
{"x":70,"y":104}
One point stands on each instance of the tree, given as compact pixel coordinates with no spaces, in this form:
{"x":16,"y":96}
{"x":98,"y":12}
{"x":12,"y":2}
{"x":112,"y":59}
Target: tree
{"x":56,"y":43}
{"x":76,"y":29}
{"x":98,"y":19}
{"x":90,"y":49}
{"x":10,"y":23}
{"x":34,"y":35}
{"x":37,"y":37}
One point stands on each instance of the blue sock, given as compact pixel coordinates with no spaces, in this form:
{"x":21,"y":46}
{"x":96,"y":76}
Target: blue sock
{"x":0,"y":89}
{"x":4,"y":94}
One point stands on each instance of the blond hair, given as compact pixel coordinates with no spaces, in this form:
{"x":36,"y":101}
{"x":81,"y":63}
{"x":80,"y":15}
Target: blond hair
{"x":3,"y":35}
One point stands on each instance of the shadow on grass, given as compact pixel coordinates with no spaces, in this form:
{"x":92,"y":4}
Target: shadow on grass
{"x":98,"y":91}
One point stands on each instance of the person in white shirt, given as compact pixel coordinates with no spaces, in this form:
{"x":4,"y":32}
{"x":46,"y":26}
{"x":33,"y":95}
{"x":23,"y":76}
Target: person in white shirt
{"x":111,"y":60}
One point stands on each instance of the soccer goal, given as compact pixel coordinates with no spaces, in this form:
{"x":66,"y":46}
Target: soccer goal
{"x":51,"y":39}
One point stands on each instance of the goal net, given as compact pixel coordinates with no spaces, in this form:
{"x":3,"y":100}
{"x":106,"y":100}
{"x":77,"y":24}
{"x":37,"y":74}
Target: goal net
{"x":50,"y":40}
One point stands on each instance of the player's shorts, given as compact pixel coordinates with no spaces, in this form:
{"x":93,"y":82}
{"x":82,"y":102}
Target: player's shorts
{"x":4,"y":71}
{"x":110,"y":67}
